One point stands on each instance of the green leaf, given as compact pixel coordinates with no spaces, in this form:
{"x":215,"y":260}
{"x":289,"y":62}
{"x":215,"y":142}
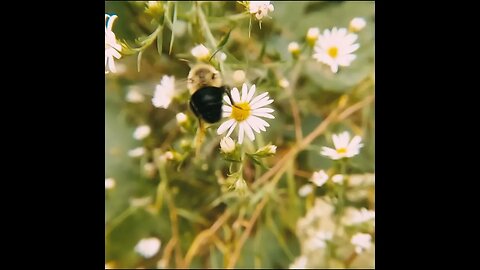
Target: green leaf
{"x":160,"y":40}
{"x":192,"y":216}
{"x":173,"y":23}
{"x":224,"y":39}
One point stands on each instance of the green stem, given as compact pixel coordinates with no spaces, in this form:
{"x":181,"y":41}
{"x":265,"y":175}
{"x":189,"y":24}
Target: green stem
{"x":162,"y":186}
{"x":119,"y":219}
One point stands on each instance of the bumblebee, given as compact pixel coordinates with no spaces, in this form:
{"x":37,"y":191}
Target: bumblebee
{"x":205,"y":85}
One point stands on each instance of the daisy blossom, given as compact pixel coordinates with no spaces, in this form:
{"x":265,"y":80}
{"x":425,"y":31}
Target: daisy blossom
{"x":112,"y":47}
{"x":164,"y":92}
{"x":335,"y":48}
{"x":246,"y":113}
{"x":344,"y":148}
{"x":260,"y":8}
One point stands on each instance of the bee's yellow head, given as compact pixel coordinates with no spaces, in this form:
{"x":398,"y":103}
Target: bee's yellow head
{"x":202,"y":75}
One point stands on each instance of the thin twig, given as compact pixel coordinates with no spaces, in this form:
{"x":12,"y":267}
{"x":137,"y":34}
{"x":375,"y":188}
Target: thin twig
{"x":204,"y":235}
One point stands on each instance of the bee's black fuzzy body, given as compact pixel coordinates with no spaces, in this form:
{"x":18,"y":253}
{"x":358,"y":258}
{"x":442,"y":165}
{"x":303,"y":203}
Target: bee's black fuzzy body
{"x":207,"y":103}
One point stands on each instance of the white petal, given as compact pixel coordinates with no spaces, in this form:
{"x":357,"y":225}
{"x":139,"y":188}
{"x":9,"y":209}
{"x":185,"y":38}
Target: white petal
{"x":251,"y":93}
{"x":342,"y":32}
{"x":355,"y":141}
{"x":346,"y":60}
{"x":240,"y":134}
{"x":111,"y":65}
{"x":226,"y":108}
{"x":257,"y":98}
{"x":232,"y":128}
{"x":261,"y":124}
{"x":116,"y":54}
{"x":110,"y":22}
{"x":244,"y":92}
{"x":227,"y":100}
{"x":223,"y":127}
{"x":261,"y":103}
{"x":235,"y":95}
{"x":226,"y":114}
{"x":352,"y":48}
{"x":334,"y":67}
{"x":248,"y":130}
{"x":266,"y":115}
{"x":263,"y":110}
{"x":327,"y":151}
{"x":336,"y":141}
{"x":350,"y":38}
{"x":253,"y":124}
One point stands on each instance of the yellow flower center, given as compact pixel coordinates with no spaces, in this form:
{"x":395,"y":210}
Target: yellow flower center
{"x":333,"y":52}
{"x":342,"y":150}
{"x":240,"y":111}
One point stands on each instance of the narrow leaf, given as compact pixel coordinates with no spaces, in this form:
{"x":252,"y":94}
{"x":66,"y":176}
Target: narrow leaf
{"x":139,"y":60}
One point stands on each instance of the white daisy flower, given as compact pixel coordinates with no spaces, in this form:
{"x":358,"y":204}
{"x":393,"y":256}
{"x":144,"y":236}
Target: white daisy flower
{"x":319,"y":178}
{"x":319,"y":240}
{"x":357,"y":24}
{"x":141,"y":132}
{"x":227,"y":145}
{"x":112,"y":47}
{"x":337,"y":178}
{"x":134,"y":96}
{"x":181,"y":118}
{"x":109,"y":183}
{"x":299,"y":263}
{"x":260,"y":8}
{"x":304,"y":190}
{"x":200,"y":52}
{"x":344,"y":148}
{"x":312,"y":35}
{"x":148,"y":247}
{"x":246,"y":113}
{"x":136,"y":152}
{"x":164,"y":92}
{"x":294,"y":48}
{"x":335,"y":48}
{"x":362,"y":242}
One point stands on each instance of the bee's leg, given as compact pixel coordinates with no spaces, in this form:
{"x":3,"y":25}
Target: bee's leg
{"x":199,"y":137}
{"x":228,"y":94}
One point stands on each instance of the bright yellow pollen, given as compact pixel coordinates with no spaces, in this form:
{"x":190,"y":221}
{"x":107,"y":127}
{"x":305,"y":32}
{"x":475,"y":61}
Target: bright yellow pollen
{"x":333,"y":51}
{"x":242,"y":112}
{"x":341,"y":150}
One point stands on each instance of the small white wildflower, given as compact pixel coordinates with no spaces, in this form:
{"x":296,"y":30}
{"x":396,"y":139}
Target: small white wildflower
{"x":319,"y":178}
{"x":362,"y":242}
{"x":304,"y":190}
{"x":166,"y":156}
{"x":148,"y":247}
{"x":164,"y":92}
{"x":246,"y":113}
{"x":136,"y":152}
{"x":181,"y":118}
{"x":109,"y":183}
{"x":284,"y":83}
{"x":335,"y":48}
{"x":201,"y":52}
{"x":149,"y":169}
{"x":299,"y":263}
{"x":112,"y":47}
{"x":134,"y":96}
{"x":357,"y":24}
{"x":271,"y":149}
{"x":141,"y":132}
{"x":294,"y":48}
{"x":319,"y":240}
{"x":338,"y":178}
{"x":312,"y":35}
{"x":357,"y":217}
{"x":221,"y":56}
{"x":239,"y":76}
{"x":241,"y":186}
{"x":344,"y":148}
{"x":227,"y":145}
{"x":260,"y":8}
